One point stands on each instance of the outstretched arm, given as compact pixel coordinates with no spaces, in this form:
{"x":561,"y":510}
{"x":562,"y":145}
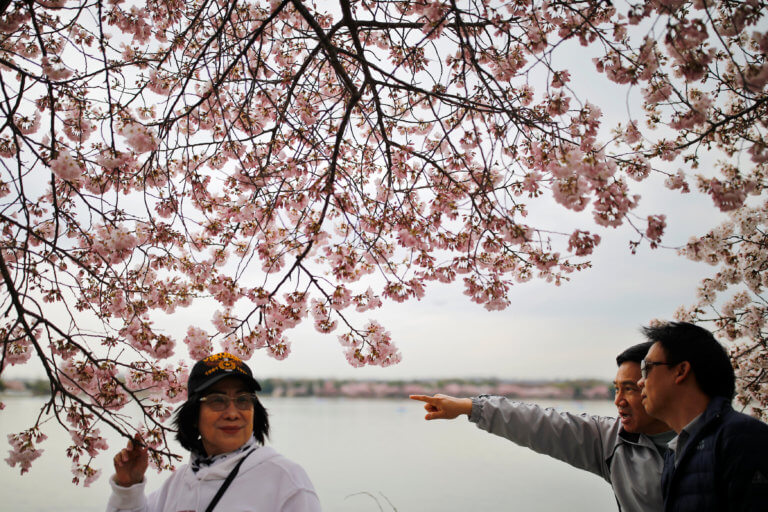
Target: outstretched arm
{"x":578,"y":439}
{"x":444,"y":407}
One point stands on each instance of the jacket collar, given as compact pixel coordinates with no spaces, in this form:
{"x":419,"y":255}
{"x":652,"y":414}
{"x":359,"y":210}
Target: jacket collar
{"x":632,"y":438}
{"x":220,"y":470}
{"x":717,"y":407}
{"x":198,"y":460}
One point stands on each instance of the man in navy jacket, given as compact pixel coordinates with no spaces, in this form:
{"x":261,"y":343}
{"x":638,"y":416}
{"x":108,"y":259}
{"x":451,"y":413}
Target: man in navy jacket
{"x":719,"y":459}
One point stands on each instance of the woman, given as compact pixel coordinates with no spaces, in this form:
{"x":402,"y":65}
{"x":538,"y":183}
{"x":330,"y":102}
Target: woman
{"x":224,"y":426}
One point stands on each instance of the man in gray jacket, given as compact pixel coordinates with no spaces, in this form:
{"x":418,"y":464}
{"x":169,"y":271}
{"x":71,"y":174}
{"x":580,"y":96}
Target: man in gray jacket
{"x":628,"y":451}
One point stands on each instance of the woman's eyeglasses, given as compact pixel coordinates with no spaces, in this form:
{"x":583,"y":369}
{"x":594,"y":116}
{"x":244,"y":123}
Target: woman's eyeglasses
{"x":220,"y":401}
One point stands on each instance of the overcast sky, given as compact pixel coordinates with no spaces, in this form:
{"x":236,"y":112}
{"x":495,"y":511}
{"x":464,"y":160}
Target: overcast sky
{"x":574,"y":330}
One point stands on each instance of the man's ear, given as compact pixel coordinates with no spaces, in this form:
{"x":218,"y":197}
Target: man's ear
{"x":682,"y":372}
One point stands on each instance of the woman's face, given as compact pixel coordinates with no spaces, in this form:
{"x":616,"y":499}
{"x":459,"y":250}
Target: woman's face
{"x":227,"y":430}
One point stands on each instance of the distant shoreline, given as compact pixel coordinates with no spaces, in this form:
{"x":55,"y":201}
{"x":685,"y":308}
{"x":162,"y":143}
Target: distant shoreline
{"x":574,"y":389}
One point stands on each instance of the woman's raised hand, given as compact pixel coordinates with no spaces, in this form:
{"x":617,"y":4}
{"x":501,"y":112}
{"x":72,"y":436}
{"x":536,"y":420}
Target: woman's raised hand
{"x":131,"y":463}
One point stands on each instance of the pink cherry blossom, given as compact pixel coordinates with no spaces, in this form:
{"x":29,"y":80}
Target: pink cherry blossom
{"x":139,"y":137}
{"x":582,"y":243}
{"x":23,"y":450}
{"x":198,"y":343}
{"x":55,"y":71}
{"x":656,"y":225}
{"x":66,"y":167}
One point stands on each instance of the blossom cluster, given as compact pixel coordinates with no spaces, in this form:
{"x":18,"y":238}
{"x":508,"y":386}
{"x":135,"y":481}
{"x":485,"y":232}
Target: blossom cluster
{"x":376,"y":350}
{"x":139,"y":137}
{"x":23,"y":448}
{"x":736,"y":248}
{"x":66,"y":167}
{"x":17,"y":347}
{"x":113,"y":243}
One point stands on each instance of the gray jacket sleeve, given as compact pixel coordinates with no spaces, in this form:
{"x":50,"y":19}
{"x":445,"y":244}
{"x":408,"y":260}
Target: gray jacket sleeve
{"x":582,"y":441}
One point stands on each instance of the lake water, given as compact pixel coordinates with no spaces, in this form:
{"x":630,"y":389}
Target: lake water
{"x":362,"y":455}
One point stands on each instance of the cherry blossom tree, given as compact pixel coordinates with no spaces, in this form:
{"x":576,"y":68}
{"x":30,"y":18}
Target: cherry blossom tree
{"x":704,"y":76}
{"x":738,"y":248}
{"x":283,"y":161}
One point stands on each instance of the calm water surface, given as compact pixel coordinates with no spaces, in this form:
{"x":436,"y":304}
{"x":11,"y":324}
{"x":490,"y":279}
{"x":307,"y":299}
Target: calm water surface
{"x":362,"y":455}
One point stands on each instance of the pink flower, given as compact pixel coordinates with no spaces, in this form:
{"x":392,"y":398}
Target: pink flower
{"x":221,"y":321}
{"x":279,"y":350}
{"x":367,"y":301}
{"x":677,"y":181}
{"x":557,"y":104}
{"x":27,"y":125}
{"x":758,"y":152}
{"x":657,"y":93}
{"x":66,"y":167}
{"x":89,"y":441}
{"x":373,"y":347}
{"x":583,"y":242}
{"x":638,"y":168}
{"x":13,"y":20}
{"x":240,"y":348}
{"x":727,"y":195}
{"x":561,"y":78}
{"x":159,"y":85}
{"x":115,"y":243}
{"x":18,"y":349}
{"x":139,"y":137}
{"x":571,"y":192}
{"x":198,"y":343}
{"x":325,"y":325}
{"x":656,"y":225}
{"x":632,"y":134}
{"x":23,"y":450}
{"x":55,"y":73}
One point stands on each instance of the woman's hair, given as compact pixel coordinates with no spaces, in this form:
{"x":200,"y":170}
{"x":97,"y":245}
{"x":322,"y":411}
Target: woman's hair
{"x":187,"y":415}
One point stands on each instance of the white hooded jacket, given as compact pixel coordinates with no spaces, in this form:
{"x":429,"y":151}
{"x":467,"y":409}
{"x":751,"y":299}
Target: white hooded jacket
{"x":266,"y":482}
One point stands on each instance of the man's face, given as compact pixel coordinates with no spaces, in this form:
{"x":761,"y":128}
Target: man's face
{"x":657,"y":386}
{"x":629,"y":405}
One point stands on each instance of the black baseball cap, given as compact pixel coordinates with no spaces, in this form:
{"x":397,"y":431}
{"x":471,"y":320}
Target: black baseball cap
{"x":215,"y":367}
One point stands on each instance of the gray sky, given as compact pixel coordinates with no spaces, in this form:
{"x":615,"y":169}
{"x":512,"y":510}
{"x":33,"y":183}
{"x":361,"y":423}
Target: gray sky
{"x":570,"y":331}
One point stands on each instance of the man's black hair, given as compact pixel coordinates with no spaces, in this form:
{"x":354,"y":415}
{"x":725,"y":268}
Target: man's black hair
{"x":709,"y":361}
{"x":187,"y":416}
{"x":634,"y":354}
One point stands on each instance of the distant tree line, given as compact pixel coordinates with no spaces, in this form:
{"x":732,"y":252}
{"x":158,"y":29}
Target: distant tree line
{"x":568,"y":388}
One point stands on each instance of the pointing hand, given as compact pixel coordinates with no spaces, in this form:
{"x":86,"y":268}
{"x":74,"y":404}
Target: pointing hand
{"x":443,"y":406}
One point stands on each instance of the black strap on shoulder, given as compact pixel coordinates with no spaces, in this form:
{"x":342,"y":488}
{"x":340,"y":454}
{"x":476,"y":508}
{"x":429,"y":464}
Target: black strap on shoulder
{"x":230,"y":477}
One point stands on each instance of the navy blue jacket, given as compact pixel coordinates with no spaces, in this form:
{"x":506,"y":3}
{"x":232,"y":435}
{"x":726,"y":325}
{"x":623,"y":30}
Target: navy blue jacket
{"x":723,"y":466}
